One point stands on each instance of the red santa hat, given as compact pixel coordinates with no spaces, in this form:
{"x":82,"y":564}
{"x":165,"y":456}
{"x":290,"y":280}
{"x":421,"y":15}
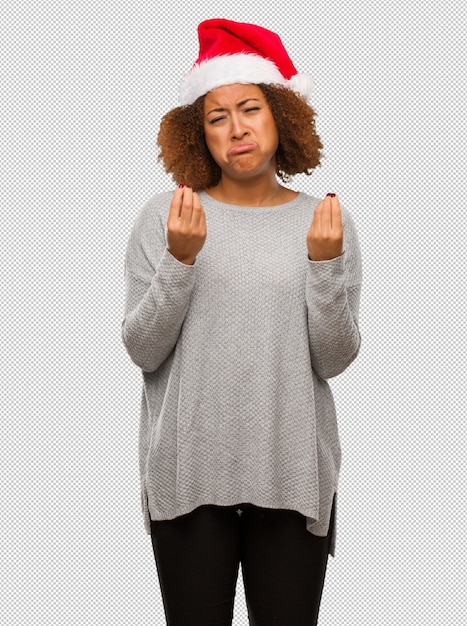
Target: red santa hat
{"x":235,"y":52}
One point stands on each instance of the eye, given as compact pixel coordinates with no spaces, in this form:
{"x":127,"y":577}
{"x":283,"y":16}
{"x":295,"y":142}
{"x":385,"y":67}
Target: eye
{"x":252,"y":109}
{"x":216,"y":119}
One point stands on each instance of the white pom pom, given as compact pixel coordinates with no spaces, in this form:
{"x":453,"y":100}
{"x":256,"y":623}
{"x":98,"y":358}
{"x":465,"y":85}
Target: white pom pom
{"x":303,"y":83}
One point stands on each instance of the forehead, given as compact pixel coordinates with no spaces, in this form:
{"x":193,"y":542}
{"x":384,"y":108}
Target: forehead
{"x":232,"y":94}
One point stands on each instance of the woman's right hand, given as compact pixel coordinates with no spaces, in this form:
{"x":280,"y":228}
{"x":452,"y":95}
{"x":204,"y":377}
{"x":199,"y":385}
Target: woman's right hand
{"x":186,"y":225}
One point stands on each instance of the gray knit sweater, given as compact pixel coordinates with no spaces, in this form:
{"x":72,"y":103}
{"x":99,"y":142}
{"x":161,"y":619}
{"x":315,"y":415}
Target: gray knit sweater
{"x":235,"y":352}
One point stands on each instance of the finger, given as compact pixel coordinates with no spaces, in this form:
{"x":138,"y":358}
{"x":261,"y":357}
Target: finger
{"x":336,"y":213}
{"x":176,"y":203}
{"x":197,"y":217}
{"x":318,"y":214}
{"x":326,"y":223}
{"x":187,"y":204}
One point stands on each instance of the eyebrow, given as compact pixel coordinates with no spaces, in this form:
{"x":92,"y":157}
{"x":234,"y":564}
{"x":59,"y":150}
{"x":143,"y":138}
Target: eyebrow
{"x":240,"y":104}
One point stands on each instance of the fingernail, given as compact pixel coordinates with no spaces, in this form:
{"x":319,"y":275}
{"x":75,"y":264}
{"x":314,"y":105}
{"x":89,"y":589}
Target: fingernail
{"x":181,"y":185}
{"x":331,"y":195}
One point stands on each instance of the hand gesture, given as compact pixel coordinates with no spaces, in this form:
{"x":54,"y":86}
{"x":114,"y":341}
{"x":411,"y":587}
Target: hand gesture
{"x":186,"y":225}
{"x":325,"y":237}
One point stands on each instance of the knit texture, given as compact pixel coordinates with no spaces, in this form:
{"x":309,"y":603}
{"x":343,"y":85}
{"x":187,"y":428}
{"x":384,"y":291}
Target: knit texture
{"x":236,"y":351}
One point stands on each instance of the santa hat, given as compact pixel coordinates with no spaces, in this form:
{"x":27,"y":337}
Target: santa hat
{"x":235,"y":52}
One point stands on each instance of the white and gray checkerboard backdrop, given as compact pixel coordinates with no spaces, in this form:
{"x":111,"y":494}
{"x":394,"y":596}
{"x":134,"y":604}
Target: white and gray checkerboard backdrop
{"x":84,"y":85}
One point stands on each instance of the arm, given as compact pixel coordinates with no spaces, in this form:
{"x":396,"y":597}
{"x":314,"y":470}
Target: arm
{"x":333,"y":293}
{"x":158,"y":284}
{"x":154,"y":311}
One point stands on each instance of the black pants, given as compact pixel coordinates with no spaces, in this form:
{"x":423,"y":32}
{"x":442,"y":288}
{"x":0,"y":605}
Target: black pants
{"x":197,"y":557}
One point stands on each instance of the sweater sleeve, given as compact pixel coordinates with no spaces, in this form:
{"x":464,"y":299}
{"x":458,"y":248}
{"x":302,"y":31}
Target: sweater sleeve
{"x":333,"y":300}
{"x":158,"y":290}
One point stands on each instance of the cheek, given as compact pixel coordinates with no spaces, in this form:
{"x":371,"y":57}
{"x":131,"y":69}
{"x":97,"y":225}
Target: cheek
{"x":216,"y":146}
{"x":272,"y":132}
{"x":212,"y":149}
{"x":274,"y":138}
{"x":209,"y":138}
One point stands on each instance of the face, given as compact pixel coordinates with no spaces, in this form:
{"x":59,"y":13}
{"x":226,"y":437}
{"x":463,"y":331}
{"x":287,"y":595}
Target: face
{"x":240,"y":130}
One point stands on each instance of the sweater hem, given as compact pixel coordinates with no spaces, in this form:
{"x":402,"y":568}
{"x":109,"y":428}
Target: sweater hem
{"x":312,"y":522}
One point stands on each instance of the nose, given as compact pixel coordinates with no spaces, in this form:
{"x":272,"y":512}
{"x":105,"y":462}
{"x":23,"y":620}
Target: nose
{"x":238,"y":131}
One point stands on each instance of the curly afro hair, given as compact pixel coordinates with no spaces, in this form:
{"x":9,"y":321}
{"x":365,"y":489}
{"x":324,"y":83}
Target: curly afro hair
{"x":185,"y":154}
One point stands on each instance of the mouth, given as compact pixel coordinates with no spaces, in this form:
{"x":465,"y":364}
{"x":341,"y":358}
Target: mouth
{"x":241,"y":148}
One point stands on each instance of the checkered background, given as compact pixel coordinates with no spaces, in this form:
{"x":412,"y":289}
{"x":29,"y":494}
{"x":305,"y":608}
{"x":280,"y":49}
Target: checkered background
{"x":84,"y":85}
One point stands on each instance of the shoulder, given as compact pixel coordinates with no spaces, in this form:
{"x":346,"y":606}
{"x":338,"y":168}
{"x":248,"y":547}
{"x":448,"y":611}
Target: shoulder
{"x":147,"y":236}
{"x":154,"y":212}
{"x":305,"y":199}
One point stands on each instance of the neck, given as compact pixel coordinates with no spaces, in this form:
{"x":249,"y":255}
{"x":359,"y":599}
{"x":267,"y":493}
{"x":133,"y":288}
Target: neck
{"x":255,"y":191}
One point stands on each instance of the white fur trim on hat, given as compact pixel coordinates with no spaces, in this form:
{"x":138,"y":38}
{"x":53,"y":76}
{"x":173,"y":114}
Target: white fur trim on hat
{"x":303,"y":84}
{"x":227,"y":70}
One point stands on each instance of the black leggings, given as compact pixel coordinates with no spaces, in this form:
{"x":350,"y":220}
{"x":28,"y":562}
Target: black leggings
{"x":197,"y":557}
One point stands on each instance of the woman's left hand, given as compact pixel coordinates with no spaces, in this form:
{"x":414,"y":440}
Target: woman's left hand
{"x":325,"y":237}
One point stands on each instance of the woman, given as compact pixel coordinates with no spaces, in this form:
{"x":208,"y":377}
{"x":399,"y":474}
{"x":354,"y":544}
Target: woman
{"x":242,"y":300}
